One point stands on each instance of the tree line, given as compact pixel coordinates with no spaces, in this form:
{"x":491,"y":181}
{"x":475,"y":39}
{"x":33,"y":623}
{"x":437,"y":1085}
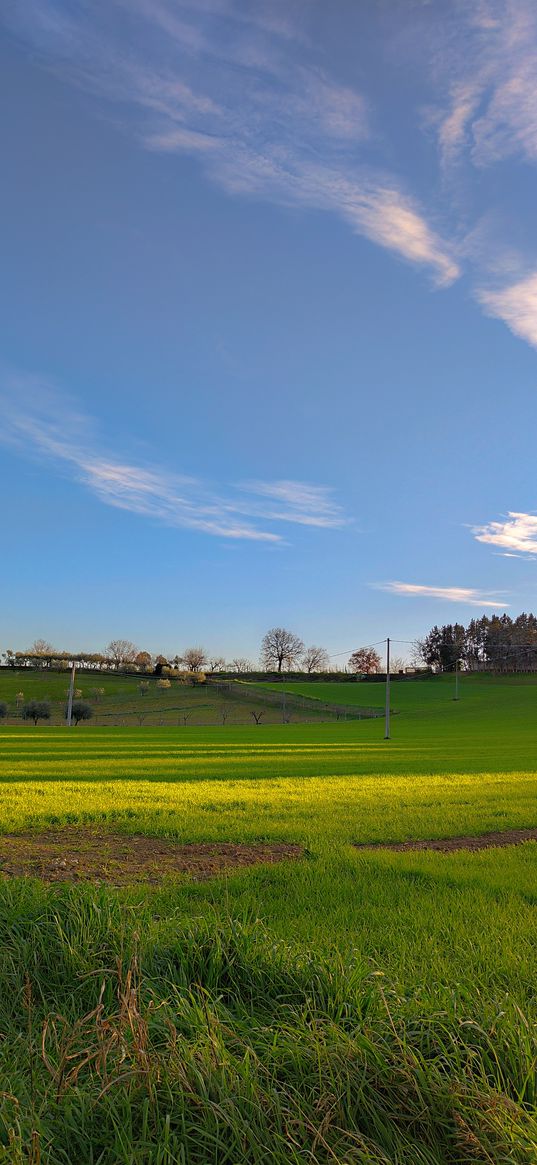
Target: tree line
{"x":122,"y":655}
{"x":281,"y":651}
{"x":492,"y":643}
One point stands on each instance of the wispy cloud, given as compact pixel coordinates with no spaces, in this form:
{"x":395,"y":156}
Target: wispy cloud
{"x":490,"y":110}
{"x":292,"y":501}
{"x":468,"y":595}
{"x":225,"y":84}
{"x":453,"y":126}
{"x":508,"y":124}
{"x":483,"y":68}
{"x":516,"y":534}
{"x":516,"y":305}
{"x":42,"y":424}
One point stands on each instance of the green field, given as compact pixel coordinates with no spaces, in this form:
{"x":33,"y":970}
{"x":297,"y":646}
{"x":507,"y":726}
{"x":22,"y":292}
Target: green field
{"x":422,"y":696}
{"x":120,"y":700}
{"x":352,"y":1007}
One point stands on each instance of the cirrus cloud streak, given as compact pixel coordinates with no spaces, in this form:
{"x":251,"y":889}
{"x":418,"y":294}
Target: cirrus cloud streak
{"x":491,"y":107}
{"x":261,"y":120}
{"x":468,"y":595}
{"x":44,"y":425}
{"x":516,"y":305}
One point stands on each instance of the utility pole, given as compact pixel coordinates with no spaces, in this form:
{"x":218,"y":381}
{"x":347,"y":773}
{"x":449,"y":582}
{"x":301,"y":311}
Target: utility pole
{"x":456,"y":696}
{"x":70,"y":697}
{"x":387,"y":720}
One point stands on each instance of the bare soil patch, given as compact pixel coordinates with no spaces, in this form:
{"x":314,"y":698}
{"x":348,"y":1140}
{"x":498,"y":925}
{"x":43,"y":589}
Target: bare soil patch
{"x":449,"y":844}
{"x":86,"y":855}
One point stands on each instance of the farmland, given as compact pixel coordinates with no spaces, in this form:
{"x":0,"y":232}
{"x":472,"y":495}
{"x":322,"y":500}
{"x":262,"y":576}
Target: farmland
{"x":355,"y":1005}
{"x":121,"y":700}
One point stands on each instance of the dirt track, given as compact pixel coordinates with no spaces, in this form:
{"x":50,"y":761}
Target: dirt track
{"x":449,"y":844}
{"x":86,"y":855}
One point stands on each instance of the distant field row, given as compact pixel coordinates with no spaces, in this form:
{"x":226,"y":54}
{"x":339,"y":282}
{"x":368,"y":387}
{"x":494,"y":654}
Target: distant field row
{"x":130,"y":700}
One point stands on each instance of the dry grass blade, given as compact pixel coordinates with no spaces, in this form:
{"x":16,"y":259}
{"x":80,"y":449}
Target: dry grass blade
{"x":101,"y":1042}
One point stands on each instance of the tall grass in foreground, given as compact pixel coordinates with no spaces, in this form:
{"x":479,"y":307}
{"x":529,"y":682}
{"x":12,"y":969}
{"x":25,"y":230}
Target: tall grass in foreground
{"x":246,"y":1019}
{"x":128,"y":1039}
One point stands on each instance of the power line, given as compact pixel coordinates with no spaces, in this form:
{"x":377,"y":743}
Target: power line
{"x":513,"y":645}
{"x":507,"y":646}
{"x":364,"y":647}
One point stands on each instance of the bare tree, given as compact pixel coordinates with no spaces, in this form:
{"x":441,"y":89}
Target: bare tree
{"x":224,"y":713}
{"x":418,"y":653}
{"x":195,"y":658}
{"x":280,"y":647}
{"x":365,"y":661}
{"x":121,"y":651}
{"x":257,"y":715}
{"x":241,"y":666}
{"x":315,"y":659}
{"x":216,"y":663}
{"x":41,"y":647}
{"x":397,"y":664}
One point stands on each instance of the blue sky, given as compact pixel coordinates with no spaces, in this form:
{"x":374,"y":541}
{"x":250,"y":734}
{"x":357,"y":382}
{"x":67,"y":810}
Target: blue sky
{"x":269,"y":319}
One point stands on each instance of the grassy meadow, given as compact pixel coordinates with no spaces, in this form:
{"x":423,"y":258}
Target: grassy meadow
{"x":355,"y":1006}
{"x":119,"y":700}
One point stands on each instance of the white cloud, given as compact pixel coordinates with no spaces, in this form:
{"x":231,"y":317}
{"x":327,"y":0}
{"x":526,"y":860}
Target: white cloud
{"x":294,"y":501}
{"x":491,"y":109}
{"x":38,"y":422}
{"x":341,"y":112}
{"x":466,"y":595}
{"x":453,"y":127}
{"x":172,"y":140}
{"x":184,"y":18}
{"x":516,"y":305}
{"x":387,"y":216}
{"x":259,"y":120}
{"x":516,"y":535}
